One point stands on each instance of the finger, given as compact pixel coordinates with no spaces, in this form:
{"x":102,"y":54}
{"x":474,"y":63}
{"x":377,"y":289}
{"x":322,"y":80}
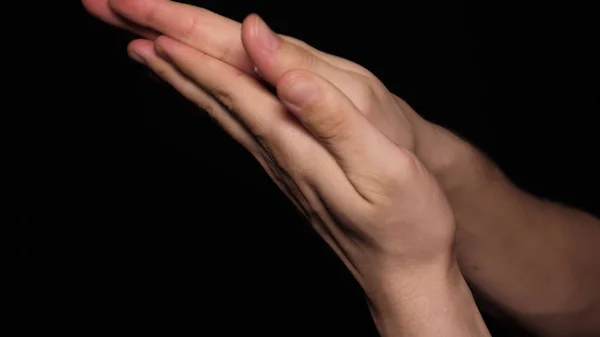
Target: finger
{"x":336,"y":61}
{"x":273,"y":55}
{"x":338,"y":125}
{"x":204,"y":30}
{"x":143,"y":51}
{"x":254,"y":105}
{"x":288,"y":145}
{"x":199,"y":28}
{"x":290,"y":149}
{"x":101,"y":10}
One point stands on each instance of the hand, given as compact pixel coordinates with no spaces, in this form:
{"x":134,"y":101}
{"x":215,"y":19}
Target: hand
{"x":223,"y":39}
{"x":373,"y":202}
{"x":224,"y":51}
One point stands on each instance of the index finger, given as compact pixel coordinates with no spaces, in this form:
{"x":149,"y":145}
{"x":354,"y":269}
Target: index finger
{"x":101,"y":10}
{"x":196,"y":27}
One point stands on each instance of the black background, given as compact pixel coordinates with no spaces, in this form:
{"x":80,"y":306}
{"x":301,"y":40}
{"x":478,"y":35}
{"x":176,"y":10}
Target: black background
{"x":129,"y":207}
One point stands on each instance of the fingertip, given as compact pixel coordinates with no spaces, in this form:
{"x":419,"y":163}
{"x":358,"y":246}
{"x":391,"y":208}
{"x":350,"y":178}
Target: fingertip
{"x":259,"y":40}
{"x":298,"y":89}
{"x":92,"y":6}
{"x":249,"y":32}
{"x":248,"y":26}
{"x":140,"y":49}
{"x":101,"y":10}
{"x":163,"y":43}
{"x":161,"y":40}
{"x":249,"y":19}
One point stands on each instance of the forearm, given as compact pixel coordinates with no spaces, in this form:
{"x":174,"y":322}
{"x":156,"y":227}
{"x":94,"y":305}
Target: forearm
{"x":429,"y":306}
{"x":538,"y":260}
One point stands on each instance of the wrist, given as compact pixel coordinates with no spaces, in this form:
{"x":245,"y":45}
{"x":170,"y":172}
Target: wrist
{"x":398,"y":287}
{"x":452,"y":161}
{"x":426,"y":304}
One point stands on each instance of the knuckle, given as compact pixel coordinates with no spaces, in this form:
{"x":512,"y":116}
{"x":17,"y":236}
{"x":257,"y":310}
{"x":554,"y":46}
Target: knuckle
{"x":266,"y":139}
{"x":261,"y":138}
{"x":362,"y":71}
{"x":406,"y":168}
{"x":305,"y":60}
{"x":328,"y":124}
{"x":295,"y":41}
{"x":279,"y":161}
{"x":153,"y":15}
{"x":374,"y":90}
{"x":209,"y":107}
{"x":368,"y":96}
{"x":334,"y":127}
{"x":288,"y":160}
{"x":190,"y":29}
{"x":163,"y":73}
{"x":225,"y":97}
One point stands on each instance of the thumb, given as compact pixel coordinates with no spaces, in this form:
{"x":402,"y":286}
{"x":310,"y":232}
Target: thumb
{"x":361,"y":151}
{"x":273,"y":55}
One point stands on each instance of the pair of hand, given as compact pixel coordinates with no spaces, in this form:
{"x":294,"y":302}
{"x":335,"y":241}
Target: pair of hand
{"x":338,"y":144}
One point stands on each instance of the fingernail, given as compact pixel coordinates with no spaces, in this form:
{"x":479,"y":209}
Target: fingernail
{"x":136,"y":57}
{"x":299,"y":92}
{"x":265,"y":34}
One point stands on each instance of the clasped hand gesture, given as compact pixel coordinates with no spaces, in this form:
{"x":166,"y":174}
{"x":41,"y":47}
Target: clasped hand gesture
{"x":338,"y":144}
{"x":373,"y":178}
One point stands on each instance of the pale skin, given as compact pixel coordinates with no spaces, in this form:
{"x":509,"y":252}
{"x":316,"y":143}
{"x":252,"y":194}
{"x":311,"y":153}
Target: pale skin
{"x":536,"y":260}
